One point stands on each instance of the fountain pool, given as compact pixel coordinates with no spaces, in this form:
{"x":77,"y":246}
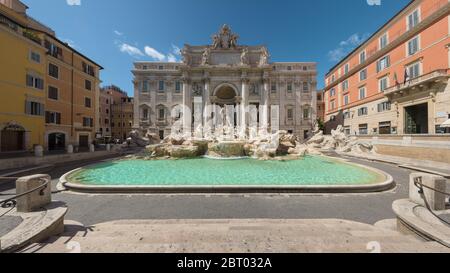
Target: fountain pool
{"x":310,"y":174}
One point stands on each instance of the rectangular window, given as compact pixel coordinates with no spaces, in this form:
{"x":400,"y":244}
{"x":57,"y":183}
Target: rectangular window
{"x":384,"y":41}
{"x":52,"y":118}
{"x":383,"y":84}
{"x":363,"y":75}
{"x":290,"y":114}
{"x":35,"y":82}
{"x":346,"y":68}
{"x":144,"y":86}
{"x":145,"y":114}
{"x":346,"y":100}
{"x":363,"y":129}
{"x":162,"y":113}
{"x":88,"y":69}
{"x":161,"y":86}
{"x":362,"y":57}
{"x":289,"y":87}
{"x":34,"y":108}
{"x":36,"y":57}
{"x":87,"y":102}
{"x":384,"y":106}
{"x":332,"y":92}
{"x":274,"y":87}
{"x":53,"y":93}
{"x":347,"y":115}
{"x":413,"y":19}
{"x":88,"y":122}
{"x":88,"y":85}
{"x":345,"y":85}
{"x":414,"y":70}
{"x":383,"y":63}
{"x":362,"y":111}
{"x":177,"y":87}
{"x":362,"y":93}
{"x":53,"y":50}
{"x":333,"y":105}
{"x":306,"y":113}
{"x":413,"y":46}
{"x":53,"y":71}
{"x":305,"y":87}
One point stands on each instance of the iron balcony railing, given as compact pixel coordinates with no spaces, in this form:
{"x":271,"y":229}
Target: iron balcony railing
{"x":433,"y":76}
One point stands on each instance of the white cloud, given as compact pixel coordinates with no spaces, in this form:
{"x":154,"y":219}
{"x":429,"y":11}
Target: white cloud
{"x":151,"y":52}
{"x":176,"y":50}
{"x":131,"y":50}
{"x":171,"y":58}
{"x":346,"y":46}
{"x":73,"y":2}
{"x":118,"y":33}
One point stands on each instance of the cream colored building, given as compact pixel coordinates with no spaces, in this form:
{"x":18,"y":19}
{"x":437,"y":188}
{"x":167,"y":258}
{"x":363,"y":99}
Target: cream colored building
{"x":225,"y":73}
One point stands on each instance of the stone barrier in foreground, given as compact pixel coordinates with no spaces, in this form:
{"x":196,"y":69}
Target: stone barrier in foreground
{"x":37,"y":199}
{"x":435,"y":199}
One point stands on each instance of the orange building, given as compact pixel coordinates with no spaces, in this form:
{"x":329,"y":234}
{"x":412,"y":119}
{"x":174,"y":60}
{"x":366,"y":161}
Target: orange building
{"x":396,"y":82}
{"x":72,"y":97}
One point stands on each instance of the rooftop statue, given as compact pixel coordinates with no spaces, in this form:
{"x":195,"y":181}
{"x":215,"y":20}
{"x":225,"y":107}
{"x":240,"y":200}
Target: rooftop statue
{"x":225,"y":39}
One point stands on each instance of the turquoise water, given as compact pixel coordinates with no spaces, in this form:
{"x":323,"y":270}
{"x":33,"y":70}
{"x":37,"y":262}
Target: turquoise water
{"x":203,"y":171}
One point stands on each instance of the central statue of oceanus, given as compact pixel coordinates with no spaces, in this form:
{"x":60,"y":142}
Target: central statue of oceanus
{"x":225,"y":39}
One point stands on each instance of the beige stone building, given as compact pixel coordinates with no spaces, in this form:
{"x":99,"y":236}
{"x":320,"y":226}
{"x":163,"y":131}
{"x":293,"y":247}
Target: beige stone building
{"x":225,"y":74}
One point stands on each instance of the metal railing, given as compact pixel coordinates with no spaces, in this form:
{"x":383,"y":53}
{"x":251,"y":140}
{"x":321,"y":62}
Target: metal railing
{"x":419,"y":184}
{"x":417,"y":80}
{"x":12,"y":202}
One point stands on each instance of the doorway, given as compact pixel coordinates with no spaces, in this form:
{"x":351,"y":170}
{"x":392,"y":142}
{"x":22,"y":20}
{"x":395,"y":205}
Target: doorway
{"x":416,"y":119}
{"x":12,"y":140}
{"x":56,"y":142}
{"x":83,"y":141}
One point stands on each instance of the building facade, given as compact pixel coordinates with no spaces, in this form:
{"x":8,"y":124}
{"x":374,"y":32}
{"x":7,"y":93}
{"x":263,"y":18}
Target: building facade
{"x":396,"y":82}
{"x":56,"y":88}
{"x":122,"y":115}
{"x":320,"y":106}
{"x":116,"y":114}
{"x":219,"y":75}
{"x":22,"y":75}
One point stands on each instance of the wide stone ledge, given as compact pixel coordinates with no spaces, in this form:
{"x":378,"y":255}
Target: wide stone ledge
{"x":415,"y":219}
{"x":35,"y":227}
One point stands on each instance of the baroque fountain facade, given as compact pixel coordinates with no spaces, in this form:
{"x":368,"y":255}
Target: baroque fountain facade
{"x":225,"y":100}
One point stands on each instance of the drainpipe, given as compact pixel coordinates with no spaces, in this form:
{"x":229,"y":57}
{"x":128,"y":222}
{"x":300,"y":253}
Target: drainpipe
{"x":72,"y":102}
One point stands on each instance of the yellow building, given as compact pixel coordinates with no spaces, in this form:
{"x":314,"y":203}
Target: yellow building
{"x":49,"y":92}
{"x":22,"y":82}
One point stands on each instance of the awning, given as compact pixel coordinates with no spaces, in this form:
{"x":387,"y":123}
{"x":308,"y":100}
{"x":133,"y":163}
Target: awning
{"x":446,"y":124}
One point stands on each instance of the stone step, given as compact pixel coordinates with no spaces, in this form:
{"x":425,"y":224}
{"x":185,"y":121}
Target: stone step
{"x":307,"y":246}
{"x":388,"y":224}
{"x":232,"y":236}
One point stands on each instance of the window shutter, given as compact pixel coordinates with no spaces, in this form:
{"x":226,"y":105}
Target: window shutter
{"x":41,"y":109}
{"x":91,"y":121}
{"x":378,"y":66}
{"x":27,"y":107}
{"x":58,"y":118}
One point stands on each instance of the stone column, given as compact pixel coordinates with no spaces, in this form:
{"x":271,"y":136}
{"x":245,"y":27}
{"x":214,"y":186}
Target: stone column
{"x":264,"y":108}
{"x":244,"y":108}
{"x":207,"y":122}
{"x":137,"y":114}
{"x":187,"y":111}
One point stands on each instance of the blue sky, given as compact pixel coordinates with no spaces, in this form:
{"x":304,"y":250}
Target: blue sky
{"x":115,"y":33}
